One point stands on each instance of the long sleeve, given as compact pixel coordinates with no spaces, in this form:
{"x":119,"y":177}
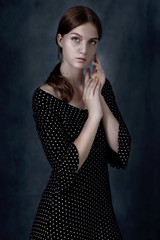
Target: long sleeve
{"x":120,"y":159}
{"x":61,"y":154}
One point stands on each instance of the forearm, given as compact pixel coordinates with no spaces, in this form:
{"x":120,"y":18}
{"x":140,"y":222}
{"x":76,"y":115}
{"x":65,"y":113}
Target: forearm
{"x":111,"y":126}
{"x":85,"y":139}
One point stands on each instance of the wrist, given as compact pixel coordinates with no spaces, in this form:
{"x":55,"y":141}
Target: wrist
{"x":101,"y":98}
{"x":95,"y":118}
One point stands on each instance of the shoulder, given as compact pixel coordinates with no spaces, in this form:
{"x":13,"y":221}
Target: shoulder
{"x":44,"y":97}
{"x":43,"y":92}
{"x":49,"y":89}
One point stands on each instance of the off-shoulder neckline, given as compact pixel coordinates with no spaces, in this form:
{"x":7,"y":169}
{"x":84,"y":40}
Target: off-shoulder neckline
{"x":59,"y":100}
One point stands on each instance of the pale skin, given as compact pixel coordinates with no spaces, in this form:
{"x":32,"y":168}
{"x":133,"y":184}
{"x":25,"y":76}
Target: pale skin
{"x":82,"y":42}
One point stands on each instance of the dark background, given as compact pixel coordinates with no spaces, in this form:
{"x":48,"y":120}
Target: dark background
{"x":130,"y":55}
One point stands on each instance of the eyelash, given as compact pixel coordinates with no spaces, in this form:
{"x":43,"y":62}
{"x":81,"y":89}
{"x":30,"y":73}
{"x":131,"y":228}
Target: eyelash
{"x":79,"y":39}
{"x":94,"y":42}
{"x":75,"y":38}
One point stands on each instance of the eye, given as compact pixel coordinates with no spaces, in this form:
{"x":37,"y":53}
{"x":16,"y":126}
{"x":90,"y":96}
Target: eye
{"x":93,"y":42}
{"x":76,"y":39}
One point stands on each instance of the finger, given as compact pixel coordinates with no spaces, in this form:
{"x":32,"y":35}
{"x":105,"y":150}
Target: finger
{"x":96,"y":60}
{"x":94,"y":70}
{"x":91,"y":87}
{"x":96,"y":64}
{"x":99,"y":70}
{"x":94,"y":85}
{"x":97,"y":88}
{"x":94,"y":67}
{"x":87,"y":75}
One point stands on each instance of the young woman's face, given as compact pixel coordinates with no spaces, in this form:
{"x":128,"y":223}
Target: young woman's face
{"x":79,"y":45}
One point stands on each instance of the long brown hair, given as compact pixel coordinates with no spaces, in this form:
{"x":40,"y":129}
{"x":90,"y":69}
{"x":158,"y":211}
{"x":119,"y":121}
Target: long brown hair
{"x":71,"y":19}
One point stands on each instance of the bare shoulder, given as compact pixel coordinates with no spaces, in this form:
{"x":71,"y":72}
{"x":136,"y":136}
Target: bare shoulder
{"x":47,"y":88}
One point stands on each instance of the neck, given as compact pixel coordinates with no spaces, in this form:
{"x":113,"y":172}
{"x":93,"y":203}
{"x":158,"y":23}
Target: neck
{"x":74,"y":75}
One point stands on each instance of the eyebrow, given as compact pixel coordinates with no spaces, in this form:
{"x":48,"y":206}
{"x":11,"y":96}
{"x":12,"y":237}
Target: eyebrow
{"x":82,"y":37}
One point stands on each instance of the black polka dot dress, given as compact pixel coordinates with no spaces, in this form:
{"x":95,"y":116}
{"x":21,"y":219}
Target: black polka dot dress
{"x":76,"y":204}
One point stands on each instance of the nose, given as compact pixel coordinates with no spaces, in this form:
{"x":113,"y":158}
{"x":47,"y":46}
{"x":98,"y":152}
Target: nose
{"x":83,"y":48}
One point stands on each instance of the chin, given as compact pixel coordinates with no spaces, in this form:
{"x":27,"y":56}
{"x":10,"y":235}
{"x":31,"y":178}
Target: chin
{"x":82,"y":65}
{"x":81,"y":68}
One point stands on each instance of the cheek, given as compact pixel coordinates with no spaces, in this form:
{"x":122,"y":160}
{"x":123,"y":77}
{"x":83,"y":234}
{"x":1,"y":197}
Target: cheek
{"x":67,"y":49}
{"x":92,"y":51}
{"x":70,"y":45}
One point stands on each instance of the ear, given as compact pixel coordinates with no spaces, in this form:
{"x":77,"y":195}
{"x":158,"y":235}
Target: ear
{"x":60,"y":40}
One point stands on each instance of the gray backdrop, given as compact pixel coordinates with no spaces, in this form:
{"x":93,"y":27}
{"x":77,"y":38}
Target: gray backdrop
{"x":130,"y":55}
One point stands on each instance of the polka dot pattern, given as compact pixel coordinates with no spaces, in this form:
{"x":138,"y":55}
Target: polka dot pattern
{"x":117,"y":160}
{"x":76,"y":204}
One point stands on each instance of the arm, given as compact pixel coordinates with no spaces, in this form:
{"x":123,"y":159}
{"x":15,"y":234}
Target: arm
{"x":117,"y":134}
{"x":111,"y":126}
{"x":91,"y":97}
{"x":85,"y":139}
{"x":61,"y":154}
{"x":65,"y":157}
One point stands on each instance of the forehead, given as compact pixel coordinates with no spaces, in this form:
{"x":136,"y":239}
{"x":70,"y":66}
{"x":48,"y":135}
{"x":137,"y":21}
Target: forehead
{"x":87,"y":30}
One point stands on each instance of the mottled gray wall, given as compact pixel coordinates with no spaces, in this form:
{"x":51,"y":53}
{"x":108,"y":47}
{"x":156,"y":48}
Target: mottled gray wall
{"x":130,"y":55}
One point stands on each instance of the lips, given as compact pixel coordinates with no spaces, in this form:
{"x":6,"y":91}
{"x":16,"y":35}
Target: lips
{"x":82,"y":59}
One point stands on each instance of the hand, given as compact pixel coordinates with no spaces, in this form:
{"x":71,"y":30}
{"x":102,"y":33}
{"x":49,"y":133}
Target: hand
{"x":98,"y":71}
{"x":91,"y":96}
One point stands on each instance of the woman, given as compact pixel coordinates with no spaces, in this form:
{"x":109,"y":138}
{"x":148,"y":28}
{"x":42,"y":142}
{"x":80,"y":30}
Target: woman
{"x":81,"y":130}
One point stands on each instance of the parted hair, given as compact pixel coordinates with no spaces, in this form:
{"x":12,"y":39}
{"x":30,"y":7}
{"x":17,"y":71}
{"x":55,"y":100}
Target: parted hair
{"x":71,"y":19}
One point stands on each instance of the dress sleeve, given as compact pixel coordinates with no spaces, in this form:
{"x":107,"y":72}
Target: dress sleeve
{"x":120,"y":159}
{"x":61,"y":154}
